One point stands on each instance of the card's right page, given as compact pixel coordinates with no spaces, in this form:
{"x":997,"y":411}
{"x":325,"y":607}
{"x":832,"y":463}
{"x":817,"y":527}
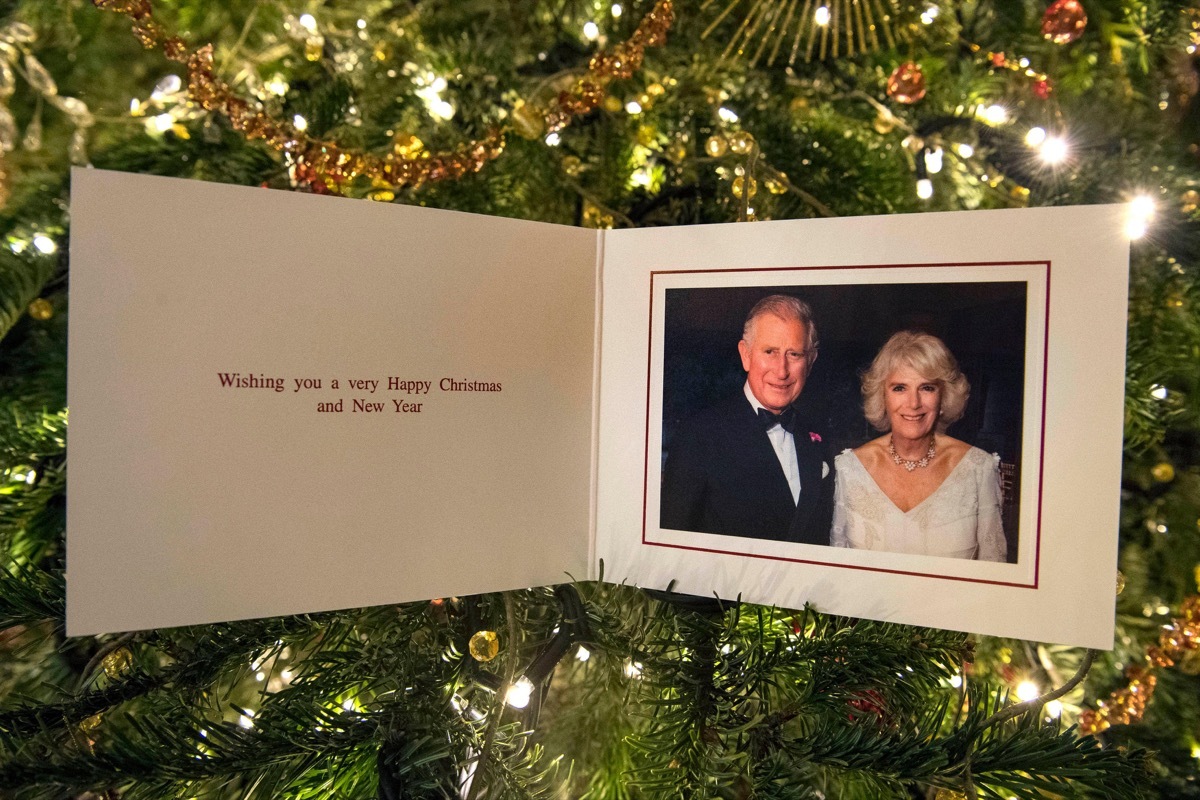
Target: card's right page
{"x":1016,"y":321}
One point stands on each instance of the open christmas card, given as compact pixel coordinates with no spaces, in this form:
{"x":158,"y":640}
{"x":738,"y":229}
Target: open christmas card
{"x":283,"y":403}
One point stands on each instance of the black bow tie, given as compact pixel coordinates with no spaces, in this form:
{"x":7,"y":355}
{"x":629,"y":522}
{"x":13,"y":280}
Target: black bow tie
{"x":786,"y":418}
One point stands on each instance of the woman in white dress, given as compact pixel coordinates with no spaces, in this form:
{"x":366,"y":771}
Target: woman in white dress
{"x":915,"y":489}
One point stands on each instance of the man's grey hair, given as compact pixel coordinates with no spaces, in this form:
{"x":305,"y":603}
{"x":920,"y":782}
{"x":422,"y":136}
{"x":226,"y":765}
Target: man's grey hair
{"x":786,"y":307}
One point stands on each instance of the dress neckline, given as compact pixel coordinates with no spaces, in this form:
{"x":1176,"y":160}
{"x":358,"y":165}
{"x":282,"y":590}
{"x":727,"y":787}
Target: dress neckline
{"x":875,"y":485}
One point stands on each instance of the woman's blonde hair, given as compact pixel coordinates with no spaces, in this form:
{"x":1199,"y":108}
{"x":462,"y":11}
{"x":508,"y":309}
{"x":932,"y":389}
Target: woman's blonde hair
{"x":932,"y":360}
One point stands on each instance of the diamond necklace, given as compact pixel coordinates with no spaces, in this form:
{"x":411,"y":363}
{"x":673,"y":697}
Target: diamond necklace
{"x":911,"y":465}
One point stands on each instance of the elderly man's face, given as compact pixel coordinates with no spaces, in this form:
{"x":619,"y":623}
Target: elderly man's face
{"x":776,"y":359}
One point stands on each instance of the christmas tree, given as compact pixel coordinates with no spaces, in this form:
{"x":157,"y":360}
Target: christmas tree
{"x":608,"y":115}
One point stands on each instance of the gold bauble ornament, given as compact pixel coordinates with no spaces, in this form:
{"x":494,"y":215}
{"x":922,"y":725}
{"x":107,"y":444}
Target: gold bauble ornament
{"x":528,"y":121}
{"x":1120,"y":581}
{"x":677,"y":152}
{"x":906,"y":84}
{"x":1163,"y":472}
{"x":613,"y":104}
{"x":484,"y":646}
{"x":1191,"y":201}
{"x":1064,"y":21}
{"x":571,"y":165}
{"x":949,"y":794}
{"x":884,"y":123}
{"x":716,"y":146}
{"x":741,"y":185}
{"x":655,"y":90}
{"x":90,"y":724}
{"x":41,"y":309}
{"x":117,"y":663}
{"x":741,"y":143}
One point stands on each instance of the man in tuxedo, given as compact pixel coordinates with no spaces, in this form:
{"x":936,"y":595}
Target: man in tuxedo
{"x":749,"y":466}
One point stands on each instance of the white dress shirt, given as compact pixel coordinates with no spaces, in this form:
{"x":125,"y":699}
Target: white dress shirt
{"x":785,"y":447}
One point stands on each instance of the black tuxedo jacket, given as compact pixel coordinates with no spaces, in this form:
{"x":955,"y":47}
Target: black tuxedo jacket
{"x":722,"y":476}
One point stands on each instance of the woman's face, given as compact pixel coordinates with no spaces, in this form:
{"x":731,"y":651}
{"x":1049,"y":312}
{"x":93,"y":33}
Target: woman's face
{"x":913,"y":403}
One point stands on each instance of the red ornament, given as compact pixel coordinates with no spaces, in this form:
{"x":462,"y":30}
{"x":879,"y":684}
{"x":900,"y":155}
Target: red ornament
{"x":868,"y":703}
{"x":906,"y":84}
{"x":1041,"y":88}
{"x":998,"y":59}
{"x":1064,"y":21}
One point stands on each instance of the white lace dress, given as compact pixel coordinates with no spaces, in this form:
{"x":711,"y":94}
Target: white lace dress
{"x":961,"y":519}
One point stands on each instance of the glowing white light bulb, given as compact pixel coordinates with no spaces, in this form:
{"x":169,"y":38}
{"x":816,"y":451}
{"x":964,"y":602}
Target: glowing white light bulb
{"x":441,"y":109}
{"x":299,"y":123}
{"x":616,"y":10}
{"x":1054,"y":709}
{"x":1142,"y":207}
{"x":1035,"y":136}
{"x":246,"y":720}
{"x":727,"y":114}
{"x":633,"y":669}
{"x":519,"y":693}
{"x":553,"y":139}
{"x":277,"y":86}
{"x":1135,"y":228}
{"x":640,"y":177}
{"x":44,"y":244}
{"x":924,"y":188}
{"x":260,"y":676}
{"x":821,"y":15}
{"x":966,"y":151}
{"x":362,"y":24}
{"x":1027,"y":690}
{"x":168,"y":85}
{"x":1158,"y":392}
{"x":933,"y":160}
{"x":956,"y":681}
{"x":1054,"y":150}
{"x":308,"y":22}
{"x":583,"y":654}
{"x":591,"y":31}
{"x":994,"y":114}
{"x":164,"y":123}
{"x":633,"y":107}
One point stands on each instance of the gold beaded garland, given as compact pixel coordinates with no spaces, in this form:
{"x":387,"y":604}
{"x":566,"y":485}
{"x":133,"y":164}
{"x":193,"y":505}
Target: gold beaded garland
{"x":741,"y":143}
{"x":716,"y":146}
{"x":484,"y":646}
{"x":325,"y":165}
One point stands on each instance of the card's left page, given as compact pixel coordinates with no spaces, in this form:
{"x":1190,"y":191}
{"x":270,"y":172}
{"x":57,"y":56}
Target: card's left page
{"x":284,"y":403}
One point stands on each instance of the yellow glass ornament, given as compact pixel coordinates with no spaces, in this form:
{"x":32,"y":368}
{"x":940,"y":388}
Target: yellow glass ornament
{"x":528,"y":121}
{"x":716,"y":146}
{"x":677,"y":152}
{"x":571,"y":165}
{"x":1163,"y":473}
{"x":741,"y":143}
{"x":1120,"y":581}
{"x":613,"y":104}
{"x":117,"y":663}
{"x":484,"y":646}
{"x":775,"y":185}
{"x":741,"y":185}
{"x":1191,"y":201}
{"x":40,"y":309}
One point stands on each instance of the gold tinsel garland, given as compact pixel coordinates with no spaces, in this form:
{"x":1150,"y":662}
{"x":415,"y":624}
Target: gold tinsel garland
{"x":315,"y":158}
{"x":1128,"y":705}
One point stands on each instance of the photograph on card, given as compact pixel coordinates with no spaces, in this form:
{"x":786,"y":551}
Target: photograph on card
{"x":882,"y":417}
